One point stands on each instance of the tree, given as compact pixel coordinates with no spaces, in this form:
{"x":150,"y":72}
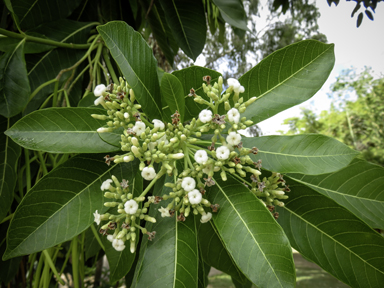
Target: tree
{"x":106,"y":154}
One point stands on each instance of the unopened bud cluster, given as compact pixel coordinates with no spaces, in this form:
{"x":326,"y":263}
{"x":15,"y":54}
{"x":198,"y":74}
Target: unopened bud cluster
{"x":170,"y":143}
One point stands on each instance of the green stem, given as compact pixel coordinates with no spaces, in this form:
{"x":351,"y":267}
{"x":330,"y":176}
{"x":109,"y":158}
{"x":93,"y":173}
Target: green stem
{"x":38,"y":271}
{"x":52,"y":266}
{"x":27,"y":169}
{"x":109,"y":66}
{"x":54,"y":101}
{"x":97,"y":237}
{"x":42,"y":163}
{"x":97,"y":59}
{"x":66,"y":98}
{"x":44,"y":41}
{"x":158,"y":176}
{"x":41,"y":87}
{"x":75,"y":263}
{"x":47,"y":100}
{"x":9,"y":217}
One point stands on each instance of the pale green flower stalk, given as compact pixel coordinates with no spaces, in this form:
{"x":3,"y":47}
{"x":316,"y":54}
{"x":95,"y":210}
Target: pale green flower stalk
{"x":166,"y":144}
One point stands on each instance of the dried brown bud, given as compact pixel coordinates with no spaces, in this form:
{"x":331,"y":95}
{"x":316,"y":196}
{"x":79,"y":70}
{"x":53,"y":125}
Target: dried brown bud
{"x":151,"y":235}
{"x":276,"y":215}
{"x":108,"y":159}
{"x":215,"y":207}
{"x":209,"y":182}
{"x":103,"y":232}
{"x":112,"y":225}
{"x":124,"y":184}
{"x":207,"y":79}
{"x":254,"y":150}
{"x":181,"y":217}
{"x":125,"y":226}
{"x":192,"y":92}
{"x":218,"y":119}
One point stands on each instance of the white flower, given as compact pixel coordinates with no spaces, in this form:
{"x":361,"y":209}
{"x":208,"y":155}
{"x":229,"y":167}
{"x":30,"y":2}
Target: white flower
{"x":235,"y":84}
{"x":164,"y":212}
{"x":118,"y":244}
{"x":126,"y":115}
{"x":233,"y":115}
{"x":201,"y":156}
{"x":106,"y":184}
{"x":152,"y":145}
{"x":233,"y":138}
{"x":188,"y":184}
{"x":102,"y":130}
{"x":139,"y":128}
{"x":99,"y":100}
{"x":158,"y":124}
{"x":208,"y":168}
{"x":222,"y":153}
{"x":110,"y":238}
{"x":97,"y":217}
{"x":148,"y":173}
{"x":131,"y":207}
{"x":195,"y":196}
{"x":206,"y":217}
{"x":99,"y":89}
{"x":205,"y":115}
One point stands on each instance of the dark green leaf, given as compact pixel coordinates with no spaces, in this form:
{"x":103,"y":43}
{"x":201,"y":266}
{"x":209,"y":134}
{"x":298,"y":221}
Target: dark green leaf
{"x":358,"y":187}
{"x":173,"y":94}
{"x":192,"y":77}
{"x":91,"y":245}
{"x":233,"y":13}
{"x":14,"y":84}
{"x":61,"y":130}
{"x":251,"y":235}
{"x":7,"y":43}
{"x":309,"y":154}
{"x":10,"y":153}
{"x":171,"y":259}
{"x":204,"y":269}
{"x":137,"y":63}
{"x":332,"y":237}
{"x":87,"y":101}
{"x":31,"y":13}
{"x":369,"y":14}
{"x":247,"y":284}
{"x":359,"y":19}
{"x":286,"y":78}
{"x":61,"y":205}
{"x":188,"y":25}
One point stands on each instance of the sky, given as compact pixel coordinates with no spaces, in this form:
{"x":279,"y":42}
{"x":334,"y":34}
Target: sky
{"x":354,"y":47}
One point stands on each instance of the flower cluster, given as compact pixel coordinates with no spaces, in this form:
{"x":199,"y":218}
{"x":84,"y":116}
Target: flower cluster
{"x":155,"y":142}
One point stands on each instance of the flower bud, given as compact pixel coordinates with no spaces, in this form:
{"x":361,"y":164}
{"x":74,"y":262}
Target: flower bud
{"x":128,"y":158}
{"x":250,"y":101}
{"x":136,"y":151}
{"x":100,"y":117}
{"x":135,"y":142}
{"x":132,"y":95}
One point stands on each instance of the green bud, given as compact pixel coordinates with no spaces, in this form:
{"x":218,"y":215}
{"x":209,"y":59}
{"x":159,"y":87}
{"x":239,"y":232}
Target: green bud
{"x":242,"y":109}
{"x":227,"y":106}
{"x":121,"y":234}
{"x":100,"y":117}
{"x":250,"y":101}
{"x":132,"y":95}
{"x":223,"y":175}
{"x":187,"y":211}
{"x":149,"y":218}
{"x":109,"y":195}
{"x":111,"y":204}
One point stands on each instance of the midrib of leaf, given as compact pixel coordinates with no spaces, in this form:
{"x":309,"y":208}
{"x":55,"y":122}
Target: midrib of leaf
{"x":323,"y":233}
{"x":29,"y":10}
{"x":290,"y":77}
{"x":242,"y":220}
{"x":78,"y":195}
{"x":173,"y":94}
{"x":182,"y":27}
{"x":303,"y":156}
{"x":176,"y":238}
{"x":134,"y":72}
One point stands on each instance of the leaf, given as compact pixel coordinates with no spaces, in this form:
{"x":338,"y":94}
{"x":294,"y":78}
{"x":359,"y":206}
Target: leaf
{"x":171,"y":258}
{"x":238,"y":284}
{"x":251,"y":235}
{"x":61,"y":130}
{"x":359,"y":19}
{"x":61,"y":205}
{"x":14,"y":84}
{"x":87,"y":101}
{"x":192,"y":77}
{"x":172,"y":92}
{"x":187,"y":22}
{"x":10,"y":153}
{"x":358,"y":187}
{"x":332,"y":237}
{"x":214,"y":252}
{"x":7,"y":43}
{"x":309,"y":153}
{"x":137,"y":63}
{"x":204,"y":269}
{"x":91,"y":245}
{"x":286,"y":78}
{"x":233,"y":13}
{"x":369,"y":14}
{"x":31,"y":13}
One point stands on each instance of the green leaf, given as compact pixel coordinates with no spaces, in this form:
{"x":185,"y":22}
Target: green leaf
{"x":137,"y":63}
{"x":358,"y":187}
{"x":7,"y":43}
{"x":171,"y":258}
{"x":10,"y":153}
{"x":247,"y":284}
{"x":332,"y":237}
{"x":286,"y":78}
{"x":87,"y":101}
{"x":204,"y":269}
{"x":188,"y":24}
{"x":61,"y":130}
{"x":91,"y":245}
{"x":31,"y":13}
{"x":43,"y":68}
{"x":173,"y":94}
{"x":310,"y":154}
{"x":61,"y":205}
{"x":251,"y":235}
{"x":192,"y":77}
{"x":214,"y":252}
{"x":14,"y":84}
{"x":233,"y":13}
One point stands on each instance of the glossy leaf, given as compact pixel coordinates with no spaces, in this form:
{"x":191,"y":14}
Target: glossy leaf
{"x":203,"y":273}
{"x":61,"y":205}
{"x":310,"y":154}
{"x":10,"y":153}
{"x":91,"y":245}
{"x":214,"y":252}
{"x":61,"y":130}
{"x":256,"y":242}
{"x":332,"y":237}
{"x":188,"y":25}
{"x":192,"y":77}
{"x":31,"y":13}
{"x":286,"y":78}
{"x":232,"y":12}
{"x":173,"y":94}
{"x":171,"y":258}
{"x":358,"y":187}
{"x":137,"y":63}
{"x":14,"y":84}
